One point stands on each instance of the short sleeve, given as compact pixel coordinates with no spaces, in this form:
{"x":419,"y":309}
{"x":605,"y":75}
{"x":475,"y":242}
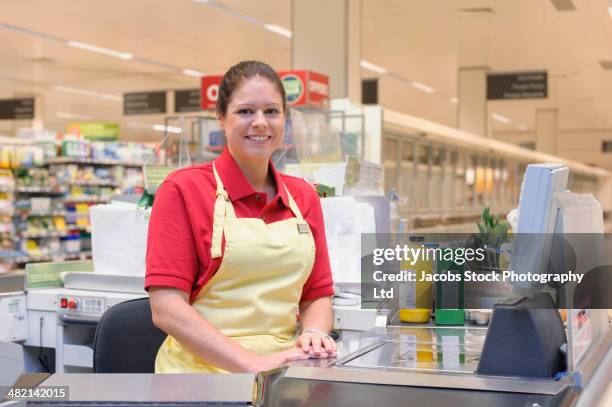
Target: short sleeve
{"x":172,"y":259}
{"x":320,"y":283}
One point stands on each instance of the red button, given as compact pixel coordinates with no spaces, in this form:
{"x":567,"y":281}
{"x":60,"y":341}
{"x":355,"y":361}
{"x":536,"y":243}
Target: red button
{"x":72,"y":303}
{"x":63,"y":303}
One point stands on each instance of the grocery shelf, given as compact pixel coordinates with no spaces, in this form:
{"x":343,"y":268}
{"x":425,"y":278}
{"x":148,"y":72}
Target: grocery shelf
{"x":59,"y":257}
{"x":89,"y":161}
{"x":95,"y":183}
{"x":77,"y":256}
{"x":32,"y":259}
{"x":40,"y":190}
{"x":75,"y":227}
{"x":28,"y":235}
{"x":28,"y":214}
{"x":93,"y":199}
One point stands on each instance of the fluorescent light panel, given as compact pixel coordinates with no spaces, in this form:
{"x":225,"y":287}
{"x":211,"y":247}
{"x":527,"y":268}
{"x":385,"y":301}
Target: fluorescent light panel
{"x":250,"y":19}
{"x":422,"y":87}
{"x":100,"y":50}
{"x":88,"y":93}
{"x":278,"y":30}
{"x":170,"y":129}
{"x":500,"y":118}
{"x":373,"y":67}
{"x":192,"y":72}
{"x":66,"y":115}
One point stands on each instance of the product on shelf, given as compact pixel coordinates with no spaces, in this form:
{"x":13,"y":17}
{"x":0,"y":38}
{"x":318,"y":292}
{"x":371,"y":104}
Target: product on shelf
{"x":36,"y":180}
{"x":75,"y":148}
{"x":20,"y":155}
{"x":72,"y":243}
{"x":47,"y":187}
{"x":116,"y":151}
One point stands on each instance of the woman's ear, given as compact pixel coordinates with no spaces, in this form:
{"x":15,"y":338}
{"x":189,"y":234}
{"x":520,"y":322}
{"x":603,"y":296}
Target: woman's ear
{"x":220,"y":120}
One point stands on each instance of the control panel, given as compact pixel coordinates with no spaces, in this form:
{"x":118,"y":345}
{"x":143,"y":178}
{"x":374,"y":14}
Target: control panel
{"x":80,"y":308}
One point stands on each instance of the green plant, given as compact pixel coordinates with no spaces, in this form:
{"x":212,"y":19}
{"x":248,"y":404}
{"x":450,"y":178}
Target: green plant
{"x":492,"y":231}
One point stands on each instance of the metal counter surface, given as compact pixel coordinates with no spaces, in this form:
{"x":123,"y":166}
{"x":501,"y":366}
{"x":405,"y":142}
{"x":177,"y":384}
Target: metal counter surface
{"x":153,"y":389}
{"x":12,"y":282}
{"x":417,"y":356}
{"x":409,"y":365}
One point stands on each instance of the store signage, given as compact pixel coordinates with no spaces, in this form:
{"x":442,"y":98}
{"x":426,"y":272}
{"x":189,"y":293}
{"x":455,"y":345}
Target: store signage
{"x":369,"y":91}
{"x":187,"y":100}
{"x":95,"y":131}
{"x":517,"y":85}
{"x":305,"y":88}
{"x":210,"y":91}
{"x":155,"y":176}
{"x":302,"y":88}
{"x":144,"y":103}
{"x":17,"y":109}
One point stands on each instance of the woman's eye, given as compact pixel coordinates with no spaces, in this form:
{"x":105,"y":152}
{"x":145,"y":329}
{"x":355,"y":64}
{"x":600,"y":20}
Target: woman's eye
{"x":244,"y":111}
{"x":272,"y":111}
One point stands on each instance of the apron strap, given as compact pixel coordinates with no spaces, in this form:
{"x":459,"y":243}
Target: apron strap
{"x":293,"y":206}
{"x":223,"y":207}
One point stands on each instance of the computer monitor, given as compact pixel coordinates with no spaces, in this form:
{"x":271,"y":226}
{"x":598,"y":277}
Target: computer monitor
{"x":538,"y":209}
{"x":559,"y":231}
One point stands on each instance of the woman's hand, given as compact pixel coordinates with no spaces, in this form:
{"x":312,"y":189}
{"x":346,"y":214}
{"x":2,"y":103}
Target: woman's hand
{"x":264,"y":363}
{"x":316,"y":343}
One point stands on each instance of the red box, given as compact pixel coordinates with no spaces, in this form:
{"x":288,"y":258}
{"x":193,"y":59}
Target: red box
{"x":303,"y":88}
{"x":210,"y":91}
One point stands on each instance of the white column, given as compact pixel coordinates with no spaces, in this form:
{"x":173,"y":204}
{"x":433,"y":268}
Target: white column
{"x":327,"y":39}
{"x":472,"y":111}
{"x":546,"y":131}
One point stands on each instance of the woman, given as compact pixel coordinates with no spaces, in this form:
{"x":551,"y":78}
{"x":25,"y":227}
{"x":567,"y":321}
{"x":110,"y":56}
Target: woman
{"x":236,"y":248}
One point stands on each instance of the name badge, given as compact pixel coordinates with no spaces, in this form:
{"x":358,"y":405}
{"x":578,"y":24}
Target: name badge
{"x":303,"y":228}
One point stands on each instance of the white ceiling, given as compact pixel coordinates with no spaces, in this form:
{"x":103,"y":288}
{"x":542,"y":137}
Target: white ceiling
{"x":424,"y":41}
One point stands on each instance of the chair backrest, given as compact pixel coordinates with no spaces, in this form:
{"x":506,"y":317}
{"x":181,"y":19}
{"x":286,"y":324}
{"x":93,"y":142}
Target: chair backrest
{"x":126,"y":340}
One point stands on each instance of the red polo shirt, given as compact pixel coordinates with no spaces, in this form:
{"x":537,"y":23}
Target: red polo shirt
{"x":180,"y":227}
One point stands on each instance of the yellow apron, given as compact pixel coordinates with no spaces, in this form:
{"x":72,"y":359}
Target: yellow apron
{"x":253,"y":297}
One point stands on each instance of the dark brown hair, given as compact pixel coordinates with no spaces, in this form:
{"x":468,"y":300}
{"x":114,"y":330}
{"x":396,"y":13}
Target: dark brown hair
{"x":246,"y":70}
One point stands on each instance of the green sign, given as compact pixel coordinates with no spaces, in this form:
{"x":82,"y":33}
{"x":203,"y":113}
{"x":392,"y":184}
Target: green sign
{"x":154,"y":176}
{"x":96,"y":131}
{"x":45,"y":275}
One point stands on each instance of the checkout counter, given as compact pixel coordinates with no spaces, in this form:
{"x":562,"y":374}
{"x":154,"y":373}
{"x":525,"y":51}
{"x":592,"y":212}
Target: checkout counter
{"x":392,"y":364}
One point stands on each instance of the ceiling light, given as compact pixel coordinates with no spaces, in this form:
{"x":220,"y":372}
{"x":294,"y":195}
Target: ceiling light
{"x":500,"y":118}
{"x":278,"y":30}
{"x":65,"y":115}
{"x":84,"y":92}
{"x":169,"y":129}
{"x":373,"y":67}
{"x":522,"y":127}
{"x":75,"y":91}
{"x":191,"y":72}
{"x":610,"y":11}
{"x":100,"y":50}
{"x":108,"y":96}
{"x":422,"y":87}
{"x":454,"y":101}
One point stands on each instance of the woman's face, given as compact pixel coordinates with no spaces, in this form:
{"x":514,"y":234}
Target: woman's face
{"x":254,"y":123}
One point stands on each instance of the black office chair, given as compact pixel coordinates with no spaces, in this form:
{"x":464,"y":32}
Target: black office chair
{"x":126,"y":340}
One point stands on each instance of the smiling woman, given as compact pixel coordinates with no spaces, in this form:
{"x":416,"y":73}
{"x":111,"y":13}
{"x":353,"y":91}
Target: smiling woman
{"x":251,"y":111}
{"x":236,"y":249}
